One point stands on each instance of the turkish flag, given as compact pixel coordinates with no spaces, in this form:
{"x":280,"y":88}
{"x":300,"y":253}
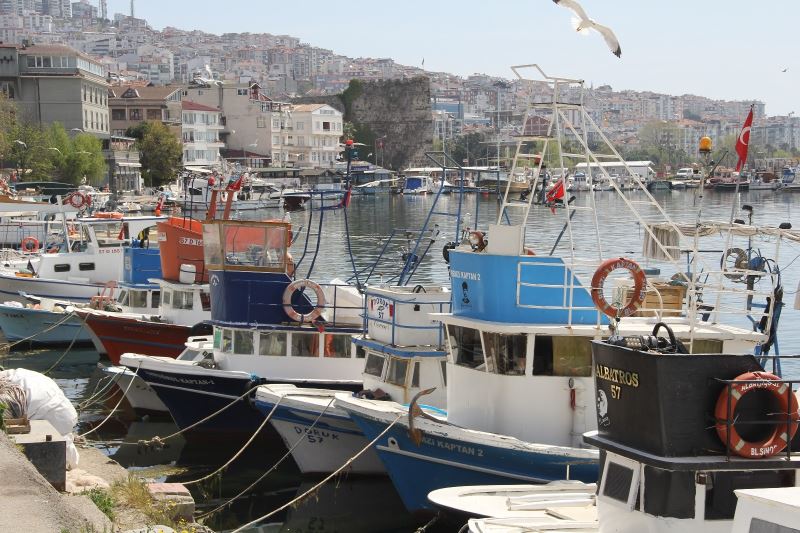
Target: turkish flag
{"x":236,"y":185}
{"x":744,"y":140}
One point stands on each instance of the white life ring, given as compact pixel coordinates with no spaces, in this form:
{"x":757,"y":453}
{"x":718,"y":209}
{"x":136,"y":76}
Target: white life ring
{"x":287,"y":300}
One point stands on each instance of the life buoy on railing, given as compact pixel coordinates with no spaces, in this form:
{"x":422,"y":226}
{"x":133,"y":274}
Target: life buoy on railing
{"x":78,"y":200}
{"x":599,"y":280}
{"x":30,"y":245}
{"x":787,"y":417}
{"x":287,"y":300}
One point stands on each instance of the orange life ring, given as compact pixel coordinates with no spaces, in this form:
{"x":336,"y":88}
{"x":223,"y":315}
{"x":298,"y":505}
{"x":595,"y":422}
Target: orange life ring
{"x":287,"y":300}
{"x":599,"y":280}
{"x":78,"y":200}
{"x":29,"y":245}
{"x":111,"y":214}
{"x":783,"y":431}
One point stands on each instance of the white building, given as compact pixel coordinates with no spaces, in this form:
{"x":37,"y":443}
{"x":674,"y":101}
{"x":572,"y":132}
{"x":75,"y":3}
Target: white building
{"x":200,"y":133}
{"x":309,"y":136}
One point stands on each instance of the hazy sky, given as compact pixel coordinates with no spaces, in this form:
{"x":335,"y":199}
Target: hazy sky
{"x":732,"y":49}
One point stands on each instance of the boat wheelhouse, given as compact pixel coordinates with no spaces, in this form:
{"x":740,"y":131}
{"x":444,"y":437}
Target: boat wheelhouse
{"x":403,"y":354}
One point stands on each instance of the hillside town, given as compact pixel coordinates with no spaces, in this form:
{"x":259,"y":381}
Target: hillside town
{"x":233,"y":96}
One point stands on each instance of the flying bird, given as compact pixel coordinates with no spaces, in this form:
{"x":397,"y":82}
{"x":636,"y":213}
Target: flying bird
{"x":784,"y":69}
{"x":585,"y":23}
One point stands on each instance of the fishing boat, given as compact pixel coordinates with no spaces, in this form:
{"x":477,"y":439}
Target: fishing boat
{"x":198,"y":194}
{"x":267,"y":329}
{"x":578,"y":183}
{"x":403,"y":355}
{"x":664,"y":467}
{"x":519,"y":369}
{"x":83,"y":262}
{"x":421,"y":184}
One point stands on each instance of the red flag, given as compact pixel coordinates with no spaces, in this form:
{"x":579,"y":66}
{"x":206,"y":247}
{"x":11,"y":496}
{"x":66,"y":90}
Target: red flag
{"x":236,"y":185}
{"x":555,"y":193}
{"x":744,"y":140}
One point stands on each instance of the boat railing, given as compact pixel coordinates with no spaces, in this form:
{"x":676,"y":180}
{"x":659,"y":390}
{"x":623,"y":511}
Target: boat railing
{"x":567,"y":286}
{"x":378,"y":305}
{"x":788,"y":416}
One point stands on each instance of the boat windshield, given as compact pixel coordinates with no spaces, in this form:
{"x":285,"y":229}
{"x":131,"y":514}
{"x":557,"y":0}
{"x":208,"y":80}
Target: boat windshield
{"x":246,"y":245}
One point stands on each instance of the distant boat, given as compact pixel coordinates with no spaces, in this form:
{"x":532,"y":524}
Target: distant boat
{"x":418,"y":185}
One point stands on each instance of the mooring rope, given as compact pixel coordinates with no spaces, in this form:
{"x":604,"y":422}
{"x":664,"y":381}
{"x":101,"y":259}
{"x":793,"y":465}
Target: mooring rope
{"x":71,"y":344}
{"x":10,"y":345}
{"x":272,"y":468}
{"x":83,"y":435}
{"x":325,"y":480}
{"x":241,"y":450}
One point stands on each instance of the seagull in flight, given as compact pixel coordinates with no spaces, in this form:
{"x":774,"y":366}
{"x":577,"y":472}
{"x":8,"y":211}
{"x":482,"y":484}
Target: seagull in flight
{"x":584,"y":23}
{"x":784,"y":69}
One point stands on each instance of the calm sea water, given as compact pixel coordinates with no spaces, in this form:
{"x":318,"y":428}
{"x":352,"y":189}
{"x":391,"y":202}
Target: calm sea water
{"x":352,"y":504}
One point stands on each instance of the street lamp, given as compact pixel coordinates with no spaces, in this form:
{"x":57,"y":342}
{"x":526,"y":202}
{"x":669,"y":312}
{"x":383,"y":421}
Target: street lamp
{"x":21,"y":160}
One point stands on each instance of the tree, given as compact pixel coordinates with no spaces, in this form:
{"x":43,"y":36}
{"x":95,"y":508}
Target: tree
{"x":75,"y":158}
{"x":160,"y":153}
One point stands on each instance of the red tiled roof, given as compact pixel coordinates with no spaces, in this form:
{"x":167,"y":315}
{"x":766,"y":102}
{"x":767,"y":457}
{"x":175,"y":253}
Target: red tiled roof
{"x":194,"y":106}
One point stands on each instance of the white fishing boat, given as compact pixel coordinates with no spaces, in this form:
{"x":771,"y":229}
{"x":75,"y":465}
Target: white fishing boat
{"x":89,"y":256}
{"x":403,"y":355}
{"x":197,"y":194}
{"x":519,"y":370}
{"x":418,"y":184}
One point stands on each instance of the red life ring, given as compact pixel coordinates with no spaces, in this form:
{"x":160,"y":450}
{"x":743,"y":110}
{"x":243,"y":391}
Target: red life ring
{"x":287,"y":300}
{"x":30,"y":245}
{"x":784,"y":430}
{"x":599,"y":280}
{"x":78,"y":200}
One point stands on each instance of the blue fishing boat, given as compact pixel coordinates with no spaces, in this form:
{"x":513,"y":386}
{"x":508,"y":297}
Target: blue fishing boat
{"x":520,"y":388}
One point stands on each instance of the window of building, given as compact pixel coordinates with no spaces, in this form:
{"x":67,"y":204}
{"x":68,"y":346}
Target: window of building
{"x":301,"y":141}
{"x":326,"y":126}
{"x":275,"y":139}
{"x":272,"y":343}
{"x":466,"y":346}
{"x":299,"y":125}
{"x":261,"y":122}
{"x":276,"y":123}
{"x":241,"y":92}
{"x":153,"y":114}
{"x":7,"y":89}
{"x":136,"y":114}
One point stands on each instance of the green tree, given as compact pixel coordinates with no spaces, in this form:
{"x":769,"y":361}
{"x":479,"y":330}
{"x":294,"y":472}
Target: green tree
{"x":76,"y":158}
{"x":160,"y":153}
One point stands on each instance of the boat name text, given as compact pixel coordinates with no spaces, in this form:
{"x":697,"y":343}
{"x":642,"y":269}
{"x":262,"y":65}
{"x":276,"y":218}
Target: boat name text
{"x":616,"y":375}
{"x":473,"y":276}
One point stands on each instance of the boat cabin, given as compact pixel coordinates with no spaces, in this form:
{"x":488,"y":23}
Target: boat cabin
{"x":404,"y":346}
{"x":97,"y":249}
{"x":664,"y":465}
{"x":184,"y":303}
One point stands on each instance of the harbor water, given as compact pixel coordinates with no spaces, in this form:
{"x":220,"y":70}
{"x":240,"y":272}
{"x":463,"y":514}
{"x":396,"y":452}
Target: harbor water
{"x":353,"y":504}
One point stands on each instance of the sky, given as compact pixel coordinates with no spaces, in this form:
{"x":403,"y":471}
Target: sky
{"x":726,"y":49}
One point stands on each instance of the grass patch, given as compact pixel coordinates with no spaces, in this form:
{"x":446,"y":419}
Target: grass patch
{"x":103,"y":500}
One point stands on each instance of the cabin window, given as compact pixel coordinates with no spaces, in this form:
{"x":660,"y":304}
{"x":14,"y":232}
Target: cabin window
{"x":122,"y":298}
{"x":415,"y":375}
{"x":706,"y":346}
{"x":757,"y":525}
{"x":562,"y":356}
{"x":617,"y":481}
{"x":466,"y":346}
{"x":720,"y":498}
{"x":182,"y":300}
{"x":361,"y":353}
{"x":337,"y":345}
{"x":155,"y":299}
{"x":505,"y":354}
{"x":272,"y":343}
{"x":85,"y":266}
{"x":212,"y":250}
{"x":243,"y":342}
{"x":305,"y":344}
{"x":138,"y":299}
{"x":669,"y":493}
{"x":374,"y":365}
{"x":62,"y":267}
{"x":167,"y":297}
{"x":205,"y":301}
{"x":227,"y":340}
{"x":444,"y":372}
{"x":396,"y":374}
{"x":111,"y":234}
{"x":217,"y":338}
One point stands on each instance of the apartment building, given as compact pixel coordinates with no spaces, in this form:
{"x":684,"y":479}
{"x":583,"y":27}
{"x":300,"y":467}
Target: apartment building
{"x":132,"y":104}
{"x":200,"y":128}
